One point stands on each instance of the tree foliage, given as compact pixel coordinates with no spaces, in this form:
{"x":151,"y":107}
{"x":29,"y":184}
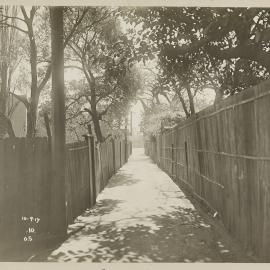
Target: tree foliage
{"x":100,"y":51}
{"x":194,"y":49}
{"x":10,"y":58}
{"x":233,"y":43}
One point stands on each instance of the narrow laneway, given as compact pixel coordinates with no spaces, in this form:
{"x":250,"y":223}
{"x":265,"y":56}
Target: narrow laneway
{"x":142,"y":216}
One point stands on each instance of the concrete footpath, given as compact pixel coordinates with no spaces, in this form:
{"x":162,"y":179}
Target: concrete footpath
{"x":142,"y":216}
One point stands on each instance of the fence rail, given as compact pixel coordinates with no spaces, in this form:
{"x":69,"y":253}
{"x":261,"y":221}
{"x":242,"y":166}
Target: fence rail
{"x":221,"y":155}
{"x":25,"y":184}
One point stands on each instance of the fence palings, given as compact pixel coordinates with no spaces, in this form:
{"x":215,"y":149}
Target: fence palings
{"x":25,"y":176}
{"x":25,"y":184}
{"x":222,"y":155}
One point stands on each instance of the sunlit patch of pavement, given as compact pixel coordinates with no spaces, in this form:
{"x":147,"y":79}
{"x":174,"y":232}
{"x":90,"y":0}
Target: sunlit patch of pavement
{"x":142,"y":216}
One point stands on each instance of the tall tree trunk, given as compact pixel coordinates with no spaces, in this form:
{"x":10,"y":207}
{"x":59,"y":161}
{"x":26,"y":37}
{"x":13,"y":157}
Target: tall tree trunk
{"x":95,"y":114}
{"x":32,"y":110}
{"x":4,"y":90}
{"x":183,"y":103}
{"x":5,"y":123}
{"x":218,"y":96}
{"x":31,"y":120}
{"x":190,"y":98}
{"x":97,"y":128}
{"x":33,"y":104}
{"x":3,"y":66}
{"x":58,"y":210}
{"x":3,"y":103}
{"x":48,"y":128}
{"x":218,"y":90}
{"x":6,"y":126}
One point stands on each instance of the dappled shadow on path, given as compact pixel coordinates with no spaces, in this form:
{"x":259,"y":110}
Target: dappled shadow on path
{"x":122,"y":179}
{"x":102,"y":207}
{"x":142,"y":216}
{"x":181,"y":236}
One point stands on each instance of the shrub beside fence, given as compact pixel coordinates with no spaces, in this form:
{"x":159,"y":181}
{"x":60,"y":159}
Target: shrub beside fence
{"x":25,"y":184}
{"x":222,"y":155}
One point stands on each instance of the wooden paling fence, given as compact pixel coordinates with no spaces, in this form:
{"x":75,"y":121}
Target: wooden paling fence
{"x":25,"y":184}
{"x":222,"y":156}
{"x":25,"y":175}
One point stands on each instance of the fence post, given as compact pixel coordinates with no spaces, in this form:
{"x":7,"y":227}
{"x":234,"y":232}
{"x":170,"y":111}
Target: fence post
{"x":93,"y":163}
{"x":201,"y":160}
{"x":126,"y":148}
{"x":126,"y":153}
{"x":113,"y":149}
{"x":186,"y":159}
{"x":120,"y":152}
{"x":87,"y":139}
{"x":172,"y":160}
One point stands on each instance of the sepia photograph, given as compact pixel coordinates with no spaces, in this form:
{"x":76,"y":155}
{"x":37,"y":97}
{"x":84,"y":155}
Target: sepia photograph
{"x":134,"y":132}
